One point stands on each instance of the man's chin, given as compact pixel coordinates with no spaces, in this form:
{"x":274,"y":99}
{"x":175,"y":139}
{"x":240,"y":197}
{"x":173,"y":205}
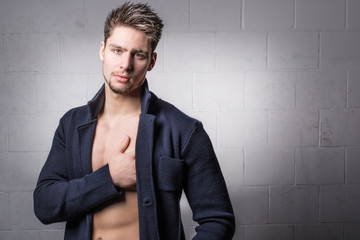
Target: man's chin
{"x":123,"y":90}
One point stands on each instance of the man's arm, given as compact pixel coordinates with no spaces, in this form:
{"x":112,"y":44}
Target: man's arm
{"x":205,"y":189}
{"x":59,"y":198}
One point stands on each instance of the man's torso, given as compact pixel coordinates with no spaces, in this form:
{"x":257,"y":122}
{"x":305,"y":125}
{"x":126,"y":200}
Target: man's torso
{"x":118,"y":220}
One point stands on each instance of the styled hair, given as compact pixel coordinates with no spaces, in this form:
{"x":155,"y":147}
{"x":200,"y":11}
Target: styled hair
{"x":139,"y":16}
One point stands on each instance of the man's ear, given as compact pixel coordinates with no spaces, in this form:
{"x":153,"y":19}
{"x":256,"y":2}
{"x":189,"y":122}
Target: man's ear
{"x":152,"y":61}
{"x":102,"y":50}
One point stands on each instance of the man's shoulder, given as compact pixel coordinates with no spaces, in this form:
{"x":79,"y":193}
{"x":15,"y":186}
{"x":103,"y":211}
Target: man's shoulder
{"x":76,"y":115}
{"x":165,"y":111}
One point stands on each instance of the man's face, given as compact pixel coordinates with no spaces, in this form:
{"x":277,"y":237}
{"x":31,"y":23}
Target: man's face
{"x":126,"y":58}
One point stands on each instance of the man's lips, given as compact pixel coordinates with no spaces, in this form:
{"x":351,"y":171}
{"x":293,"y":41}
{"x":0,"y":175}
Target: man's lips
{"x":122,"y":78}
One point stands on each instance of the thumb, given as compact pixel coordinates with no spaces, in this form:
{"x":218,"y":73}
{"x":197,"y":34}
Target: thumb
{"x":124,"y":144}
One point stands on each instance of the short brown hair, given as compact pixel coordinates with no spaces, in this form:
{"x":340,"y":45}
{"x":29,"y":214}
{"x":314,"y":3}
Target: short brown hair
{"x":137,"y":15}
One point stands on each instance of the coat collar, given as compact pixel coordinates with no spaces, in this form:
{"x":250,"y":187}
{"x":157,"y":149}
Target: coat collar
{"x":96,"y":104}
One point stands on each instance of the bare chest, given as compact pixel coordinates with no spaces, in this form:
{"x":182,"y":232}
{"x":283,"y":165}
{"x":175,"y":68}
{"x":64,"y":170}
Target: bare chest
{"x":108,"y":137}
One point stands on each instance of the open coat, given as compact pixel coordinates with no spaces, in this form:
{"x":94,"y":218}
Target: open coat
{"x":173,"y":155}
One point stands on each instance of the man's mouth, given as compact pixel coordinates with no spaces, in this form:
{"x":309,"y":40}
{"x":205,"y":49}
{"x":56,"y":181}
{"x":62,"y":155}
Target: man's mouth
{"x":122,"y":78}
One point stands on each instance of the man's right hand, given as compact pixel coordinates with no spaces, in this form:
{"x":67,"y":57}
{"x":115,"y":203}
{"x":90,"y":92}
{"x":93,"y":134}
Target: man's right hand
{"x":122,"y":166}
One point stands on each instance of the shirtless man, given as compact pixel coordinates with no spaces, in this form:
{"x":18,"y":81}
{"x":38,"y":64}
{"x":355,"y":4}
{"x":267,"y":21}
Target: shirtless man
{"x":126,"y":56}
{"x":118,"y":166}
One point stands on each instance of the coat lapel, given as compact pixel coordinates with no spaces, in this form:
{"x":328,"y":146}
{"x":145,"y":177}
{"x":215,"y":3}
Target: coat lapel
{"x":144,"y":176}
{"x":86,"y":137}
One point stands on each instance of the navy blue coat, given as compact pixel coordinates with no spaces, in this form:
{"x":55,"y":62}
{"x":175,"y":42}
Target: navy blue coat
{"x":173,"y":154}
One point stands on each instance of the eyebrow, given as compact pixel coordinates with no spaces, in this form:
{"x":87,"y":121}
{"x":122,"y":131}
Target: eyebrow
{"x":116,"y":46}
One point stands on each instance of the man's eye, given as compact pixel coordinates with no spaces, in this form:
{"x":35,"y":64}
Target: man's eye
{"x":117,"y":51}
{"x":140,"y":55}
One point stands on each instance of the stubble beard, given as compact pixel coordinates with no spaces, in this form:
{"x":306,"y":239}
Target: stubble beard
{"x":119,"y":91}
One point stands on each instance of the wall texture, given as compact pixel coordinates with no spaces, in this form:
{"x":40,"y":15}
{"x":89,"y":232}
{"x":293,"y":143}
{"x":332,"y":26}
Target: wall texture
{"x":275,"y":82}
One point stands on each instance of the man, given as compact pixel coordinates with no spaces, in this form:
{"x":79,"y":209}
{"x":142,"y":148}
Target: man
{"x":117,"y":166}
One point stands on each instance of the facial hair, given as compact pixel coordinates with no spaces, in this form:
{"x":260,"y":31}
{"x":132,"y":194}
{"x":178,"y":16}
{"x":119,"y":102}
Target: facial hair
{"x":125,"y":91}
{"x":119,"y":91}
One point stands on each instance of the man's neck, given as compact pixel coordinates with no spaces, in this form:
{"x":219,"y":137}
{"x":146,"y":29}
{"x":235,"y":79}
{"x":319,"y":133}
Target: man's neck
{"x":121,"y":105}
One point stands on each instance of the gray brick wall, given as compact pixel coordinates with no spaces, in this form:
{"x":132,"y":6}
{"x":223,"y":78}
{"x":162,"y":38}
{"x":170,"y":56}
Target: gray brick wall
{"x":275,"y":82}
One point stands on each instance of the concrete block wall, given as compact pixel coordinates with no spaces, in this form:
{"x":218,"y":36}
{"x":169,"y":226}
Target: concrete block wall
{"x":275,"y":82}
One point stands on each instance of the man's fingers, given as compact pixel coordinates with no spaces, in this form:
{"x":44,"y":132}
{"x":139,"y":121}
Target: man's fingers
{"x":124,"y":144}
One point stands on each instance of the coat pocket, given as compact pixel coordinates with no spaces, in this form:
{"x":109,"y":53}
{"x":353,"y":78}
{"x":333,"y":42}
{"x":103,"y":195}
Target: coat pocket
{"x":170,"y":174}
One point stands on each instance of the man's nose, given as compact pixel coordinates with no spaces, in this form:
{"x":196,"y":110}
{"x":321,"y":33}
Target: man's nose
{"x":126,"y":62}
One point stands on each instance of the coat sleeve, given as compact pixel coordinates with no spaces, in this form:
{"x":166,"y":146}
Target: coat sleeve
{"x":206,"y":190}
{"x":59,"y":196}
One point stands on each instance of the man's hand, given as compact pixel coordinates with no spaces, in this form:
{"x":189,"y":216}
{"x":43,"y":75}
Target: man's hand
{"x":122,"y":166}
